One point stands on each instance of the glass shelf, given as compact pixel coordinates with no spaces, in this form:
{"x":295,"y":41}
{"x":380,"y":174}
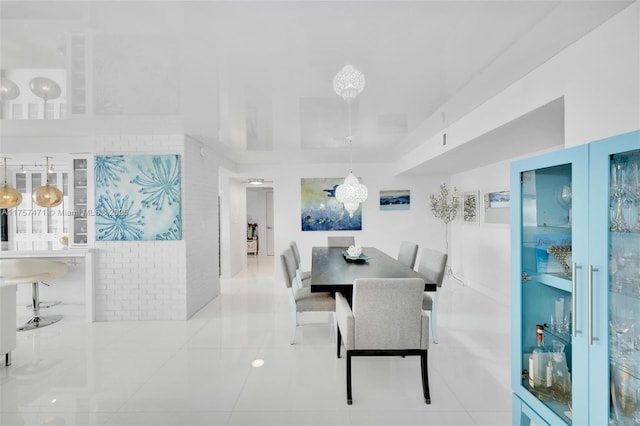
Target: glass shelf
{"x":558,"y":281}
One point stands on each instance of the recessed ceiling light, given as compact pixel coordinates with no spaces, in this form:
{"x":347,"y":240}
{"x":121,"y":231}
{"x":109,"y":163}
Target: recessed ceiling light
{"x":254,"y":181}
{"x":257,"y":363}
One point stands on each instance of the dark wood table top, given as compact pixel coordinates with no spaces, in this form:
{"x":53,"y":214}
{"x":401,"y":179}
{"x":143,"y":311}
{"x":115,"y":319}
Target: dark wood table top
{"x":331,"y":272}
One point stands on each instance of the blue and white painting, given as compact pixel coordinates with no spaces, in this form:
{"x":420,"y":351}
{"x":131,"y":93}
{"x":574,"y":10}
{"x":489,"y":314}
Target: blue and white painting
{"x":395,"y":199}
{"x":320,"y":209}
{"x":138,"y":197}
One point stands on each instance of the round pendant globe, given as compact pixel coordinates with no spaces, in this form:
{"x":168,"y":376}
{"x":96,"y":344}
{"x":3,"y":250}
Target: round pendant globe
{"x":9,"y":197}
{"x":351,"y":193}
{"x":8,"y":90}
{"x":47,"y":196}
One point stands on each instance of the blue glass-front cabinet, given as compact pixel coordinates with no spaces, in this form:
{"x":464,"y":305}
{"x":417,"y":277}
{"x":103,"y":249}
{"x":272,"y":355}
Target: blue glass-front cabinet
{"x":575,"y":235}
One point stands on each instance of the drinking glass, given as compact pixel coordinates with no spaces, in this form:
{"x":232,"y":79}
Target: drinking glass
{"x":634,"y":188}
{"x":560,"y":315}
{"x":618,"y":191}
{"x":621,"y":321}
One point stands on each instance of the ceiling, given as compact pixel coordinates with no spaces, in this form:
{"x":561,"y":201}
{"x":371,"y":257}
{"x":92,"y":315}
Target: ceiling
{"x":253,"y":79}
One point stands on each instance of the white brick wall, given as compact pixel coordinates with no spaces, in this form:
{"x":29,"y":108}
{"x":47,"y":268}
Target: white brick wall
{"x":141,"y":280}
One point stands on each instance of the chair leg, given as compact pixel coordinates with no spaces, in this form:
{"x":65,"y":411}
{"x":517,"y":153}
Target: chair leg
{"x":434,"y":317}
{"x":338,"y":341}
{"x":349,"y":378}
{"x":294,"y":325}
{"x":425,"y":377}
{"x":7,"y":359}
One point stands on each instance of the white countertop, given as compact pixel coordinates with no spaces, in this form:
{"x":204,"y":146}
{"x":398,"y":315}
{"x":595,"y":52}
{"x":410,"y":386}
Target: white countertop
{"x":73,"y":252}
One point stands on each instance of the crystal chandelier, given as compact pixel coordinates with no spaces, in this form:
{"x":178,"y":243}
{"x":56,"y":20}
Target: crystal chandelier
{"x":9,"y":197}
{"x":348,"y":83}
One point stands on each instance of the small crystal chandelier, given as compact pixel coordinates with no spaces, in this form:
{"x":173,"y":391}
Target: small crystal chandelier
{"x":9,"y":197}
{"x":348,"y":83}
{"x":47,"y":195}
{"x":351,"y":193}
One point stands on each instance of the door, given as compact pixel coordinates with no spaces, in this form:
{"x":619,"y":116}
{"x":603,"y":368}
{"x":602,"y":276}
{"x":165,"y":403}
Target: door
{"x":269,"y":214}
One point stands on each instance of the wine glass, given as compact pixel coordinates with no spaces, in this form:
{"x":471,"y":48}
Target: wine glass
{"x":565,"y":196}
{"x":618,"y":183}
{"x":621,"y":322}
{"x":634,"y":188}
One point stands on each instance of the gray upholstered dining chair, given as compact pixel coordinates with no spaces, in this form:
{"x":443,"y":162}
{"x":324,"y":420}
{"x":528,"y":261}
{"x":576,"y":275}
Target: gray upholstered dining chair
{"x":303,"y":278}
{"x":301,"y":299}
{"x":341,"y":241}
{"x":408,"y":253}
{"x":432,"y":268}
{"x":386,"y":318}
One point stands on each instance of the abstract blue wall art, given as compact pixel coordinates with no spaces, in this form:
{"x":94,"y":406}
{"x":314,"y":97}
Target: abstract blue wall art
{"x":320,"y":210}
{"x":138,"y":197}
{"x":395,"y":199}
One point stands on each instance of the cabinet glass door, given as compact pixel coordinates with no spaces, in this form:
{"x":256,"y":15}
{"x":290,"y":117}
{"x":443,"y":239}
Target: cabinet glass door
{"x":546,"y":289}
{"x":550,"y":196}
{"x":624,"y":287}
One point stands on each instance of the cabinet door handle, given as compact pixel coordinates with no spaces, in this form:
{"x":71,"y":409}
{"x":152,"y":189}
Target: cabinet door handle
{"x":590,"y":305}
{"x":574,"y":266}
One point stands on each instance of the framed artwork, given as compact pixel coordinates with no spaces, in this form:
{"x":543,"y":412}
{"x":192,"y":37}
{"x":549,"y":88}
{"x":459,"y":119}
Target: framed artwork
{"x":138,"y":197}
{"x":395,"y":199}
{"x":320,"y":211}
{"x":496,"y":207}
{"x":470,"y":201}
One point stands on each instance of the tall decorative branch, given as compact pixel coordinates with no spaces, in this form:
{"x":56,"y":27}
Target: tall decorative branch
{"x":445,"y":206}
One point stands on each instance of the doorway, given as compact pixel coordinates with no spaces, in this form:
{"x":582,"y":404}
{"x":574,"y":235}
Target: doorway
{"x":260,"y":213}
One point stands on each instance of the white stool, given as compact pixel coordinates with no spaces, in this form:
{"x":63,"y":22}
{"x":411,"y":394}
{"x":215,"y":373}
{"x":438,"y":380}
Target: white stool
{"x":22,"y":271}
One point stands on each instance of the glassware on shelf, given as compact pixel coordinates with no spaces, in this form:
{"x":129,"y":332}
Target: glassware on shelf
{"x":565,"y":197}
{"x":625,"y":395}
{"x":560,"y":316}
{"x":618,"y":183}
{"x":540,"y":368}
{"x":625,"y":269}
{"x":634,"y":188}
{"x":621,"y":322}
{"x":561,"y":379}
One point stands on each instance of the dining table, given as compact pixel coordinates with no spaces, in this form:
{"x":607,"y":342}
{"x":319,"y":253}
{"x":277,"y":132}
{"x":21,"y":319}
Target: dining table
{"x":333,"y":271}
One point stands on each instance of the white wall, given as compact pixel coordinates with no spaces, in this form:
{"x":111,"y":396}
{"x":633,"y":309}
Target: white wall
{"x":200,"y":227}
{"x":382,"y":229}
{"x":141,"y":280}
{"x":233,"y":216}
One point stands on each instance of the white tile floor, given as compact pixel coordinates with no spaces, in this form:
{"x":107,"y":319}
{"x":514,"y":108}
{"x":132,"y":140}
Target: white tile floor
{"x":199,"y":372}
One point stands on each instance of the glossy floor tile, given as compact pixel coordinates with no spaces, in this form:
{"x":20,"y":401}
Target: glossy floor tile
{"x":199,"y":372}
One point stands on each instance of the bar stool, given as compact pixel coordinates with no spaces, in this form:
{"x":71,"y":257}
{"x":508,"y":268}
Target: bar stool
{"x":22,"y":271}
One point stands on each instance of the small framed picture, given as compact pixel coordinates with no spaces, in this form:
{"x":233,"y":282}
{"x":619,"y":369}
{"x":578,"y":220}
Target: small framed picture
{"x":496,"y":207}
{"x":470,"y":201}
{"x":399,"y":199}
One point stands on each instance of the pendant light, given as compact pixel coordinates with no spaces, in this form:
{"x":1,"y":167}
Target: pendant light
{"x":9,"y":197}
{"x":8,"y":92}
{"x":45,"y":88}
{"x":47,"y":195}
{"x":348,"y":83}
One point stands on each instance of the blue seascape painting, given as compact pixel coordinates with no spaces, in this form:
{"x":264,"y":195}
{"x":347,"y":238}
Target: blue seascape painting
{"x":320,"y":209}
{"x":395,"y":200}
{"x":138,"y":197}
